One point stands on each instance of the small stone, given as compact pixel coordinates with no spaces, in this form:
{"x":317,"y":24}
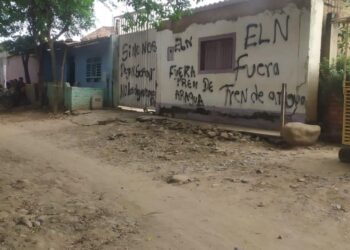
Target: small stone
{"x":211,"y":134}
{"x":224,"y":135}
{"x":144,"y":118}
{"x":337,"y":206}
{"x":179,"y":178}
{"x":164,"y":157}
{"x":23,"y":211}
{"x":279,"y":237}
{"x":214,"y":185}
{"x":244,"y":181}
{"x":111,"y":138}
{"x":293,"y":186}
{"x":37,"y":223}
{"x":20,"y":184}
{"x":229,"y":179}
{"x":24,"y":221}
{"x":260,"y":204}
{"x":301,"y":179}
{"x":259,"y":171}
{"x":41,"y":219}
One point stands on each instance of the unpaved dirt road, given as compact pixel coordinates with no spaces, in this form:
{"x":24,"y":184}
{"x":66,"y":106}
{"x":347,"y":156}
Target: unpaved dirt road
{"x":74,"y":182}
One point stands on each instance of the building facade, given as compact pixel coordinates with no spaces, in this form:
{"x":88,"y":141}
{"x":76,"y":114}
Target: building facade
{"x":227,"y":62}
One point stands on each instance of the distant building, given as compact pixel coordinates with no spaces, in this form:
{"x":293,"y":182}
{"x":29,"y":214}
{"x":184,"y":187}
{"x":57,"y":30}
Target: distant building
{"x":90,"y":62}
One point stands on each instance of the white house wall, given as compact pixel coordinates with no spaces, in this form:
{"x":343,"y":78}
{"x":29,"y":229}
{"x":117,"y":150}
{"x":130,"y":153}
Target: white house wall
{"x":283,"y":46}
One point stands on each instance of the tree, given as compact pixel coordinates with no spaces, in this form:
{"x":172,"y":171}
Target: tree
{"x":154,"y":12}
{"x":22,"y":46}
{"x":46,"y":21}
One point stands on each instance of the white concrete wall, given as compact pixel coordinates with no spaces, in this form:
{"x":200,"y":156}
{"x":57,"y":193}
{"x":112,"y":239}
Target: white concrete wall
{"x":235,"y":93}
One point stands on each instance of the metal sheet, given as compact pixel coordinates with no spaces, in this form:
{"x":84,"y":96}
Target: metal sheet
{"x":137,"y":78}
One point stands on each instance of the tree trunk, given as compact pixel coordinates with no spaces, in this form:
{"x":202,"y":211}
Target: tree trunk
{"x":40,"y":90}
{"x":56,"y":87}
{"x":25,"y":62}
{"x":63,"y":65}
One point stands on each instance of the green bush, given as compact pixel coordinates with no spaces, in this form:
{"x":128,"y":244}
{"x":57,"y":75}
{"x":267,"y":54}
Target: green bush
{"x":331,"y":79}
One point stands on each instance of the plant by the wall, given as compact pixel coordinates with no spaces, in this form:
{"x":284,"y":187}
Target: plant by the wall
{"x":331,"y":78}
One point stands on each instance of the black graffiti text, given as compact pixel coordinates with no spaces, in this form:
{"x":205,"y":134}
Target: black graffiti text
{"x":255,"y":33}
{"x":268,"y":69}
{"x":187,"y":83}
{"x":207,"y":85}
{"x":134,"y":50}
{"x":239,"y":96}
{"x":137,"y":72}
{"x":242,"y":96}
{"x":292,"y":100}
{"x":141,"y":94}
{"x":179,"y":72}
{"x":189,"y":98}
{"x":182,"y":44}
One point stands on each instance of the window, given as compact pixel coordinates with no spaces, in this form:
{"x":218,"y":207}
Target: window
{"x":93,"y":69}
{"x":217,"y":53}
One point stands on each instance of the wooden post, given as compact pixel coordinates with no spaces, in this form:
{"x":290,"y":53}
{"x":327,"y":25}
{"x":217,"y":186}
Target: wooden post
{"x":283,"y":106}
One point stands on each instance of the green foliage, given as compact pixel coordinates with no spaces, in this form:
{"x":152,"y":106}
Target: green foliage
{"x":331,"y":78}
{"x":45,"y":19}
{"x":153,"y":12}
{"x":19,"y":46}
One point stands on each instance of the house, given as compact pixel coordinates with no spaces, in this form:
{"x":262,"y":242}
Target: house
{"x":227,"y":62}
{"x":90,"y":62}
{"x":87,"y":68}
{"x":15,"y":69}
{"x":11,"y":67}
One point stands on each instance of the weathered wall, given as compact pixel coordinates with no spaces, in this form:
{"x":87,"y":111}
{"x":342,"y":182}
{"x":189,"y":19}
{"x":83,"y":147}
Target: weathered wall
{"x":72,"y":98}
{"x":14,"y":68}
{"x":272,"y":47}
{"x":101,"y":49}
{"x":137,"y":69}
{"x":3,"y":63}
{"x":81,"y":97}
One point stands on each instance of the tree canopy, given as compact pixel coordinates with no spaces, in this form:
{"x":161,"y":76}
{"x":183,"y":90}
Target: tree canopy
{"x":45,"y":19}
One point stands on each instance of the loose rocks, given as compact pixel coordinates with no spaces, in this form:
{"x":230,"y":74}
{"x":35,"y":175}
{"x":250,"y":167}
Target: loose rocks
{"x":181,"y":179}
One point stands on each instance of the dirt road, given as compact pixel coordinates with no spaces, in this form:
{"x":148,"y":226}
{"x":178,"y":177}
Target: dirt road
{"x":67,"y":183}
